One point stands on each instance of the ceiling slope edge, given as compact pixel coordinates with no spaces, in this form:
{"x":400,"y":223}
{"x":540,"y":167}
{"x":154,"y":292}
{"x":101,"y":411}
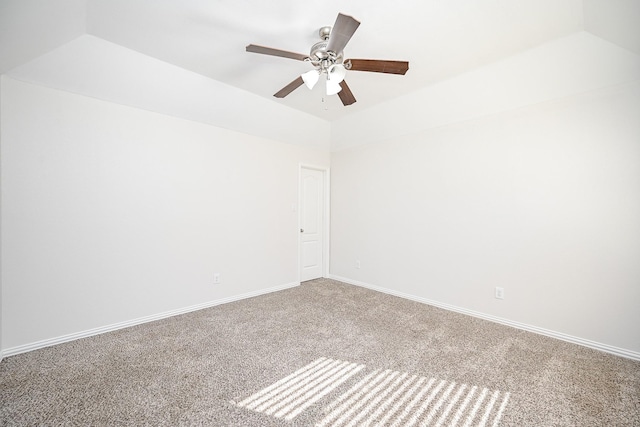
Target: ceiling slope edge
{"x":31,"y":28}
{"x":615,"y":21}
{"x":97,"y":68}
{"x":568,"y":66}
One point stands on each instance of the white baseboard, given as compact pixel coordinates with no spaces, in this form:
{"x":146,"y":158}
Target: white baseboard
{"x":101,"y":330}
{"x":553,"y":334}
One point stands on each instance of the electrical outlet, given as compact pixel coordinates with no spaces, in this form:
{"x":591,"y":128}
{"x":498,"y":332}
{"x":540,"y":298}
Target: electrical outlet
{"x":216,"y":278}
{"x":499,"y":292}
{"x":358,"y":263}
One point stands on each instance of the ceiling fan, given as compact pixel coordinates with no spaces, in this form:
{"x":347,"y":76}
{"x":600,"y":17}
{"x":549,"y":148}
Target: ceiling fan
{"x":327,"y":58}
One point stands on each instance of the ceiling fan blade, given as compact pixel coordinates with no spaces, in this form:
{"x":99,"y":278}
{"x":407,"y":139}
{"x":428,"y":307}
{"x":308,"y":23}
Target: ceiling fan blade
{"x":379,"y":66}
{"x":346,"y":96}
{"x":289,"y":88}
{"x":275,"y":52}
{"x":341,"y":32}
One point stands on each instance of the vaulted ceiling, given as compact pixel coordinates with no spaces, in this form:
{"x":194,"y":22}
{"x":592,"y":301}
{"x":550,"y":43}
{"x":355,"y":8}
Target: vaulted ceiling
{"x":440,"y":39}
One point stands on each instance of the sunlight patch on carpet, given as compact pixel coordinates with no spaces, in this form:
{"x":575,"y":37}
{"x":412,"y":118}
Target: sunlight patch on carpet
{"x":389,"y":398}
{"x":296,"y":392}
{"x":380,"y":398}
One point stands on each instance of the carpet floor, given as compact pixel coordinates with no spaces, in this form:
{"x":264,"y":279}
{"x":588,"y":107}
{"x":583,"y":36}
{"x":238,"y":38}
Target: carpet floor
{"x":321,"y":354}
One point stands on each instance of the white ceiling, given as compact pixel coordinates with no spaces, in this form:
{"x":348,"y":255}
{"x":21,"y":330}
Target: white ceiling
{"x":440,"y":39}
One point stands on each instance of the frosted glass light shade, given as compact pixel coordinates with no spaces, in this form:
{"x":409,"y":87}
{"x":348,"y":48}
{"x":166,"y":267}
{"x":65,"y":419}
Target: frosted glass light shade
{"x":310,"y":78}
{"x":333,"y":87}
{"x":336,"y":73}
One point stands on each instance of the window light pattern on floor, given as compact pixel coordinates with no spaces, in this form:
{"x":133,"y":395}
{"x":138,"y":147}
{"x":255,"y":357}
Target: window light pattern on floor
{"x":381,"y":398}
{"x":390,"y":398}
{"x":293,"y":394}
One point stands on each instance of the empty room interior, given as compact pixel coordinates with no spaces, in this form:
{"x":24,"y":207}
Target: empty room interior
{"x":451,"y":238}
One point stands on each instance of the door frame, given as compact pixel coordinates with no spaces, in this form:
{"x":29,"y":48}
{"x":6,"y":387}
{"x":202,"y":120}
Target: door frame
{"x":326,"y":218}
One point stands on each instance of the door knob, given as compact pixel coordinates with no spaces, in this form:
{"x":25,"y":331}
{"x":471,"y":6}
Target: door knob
{"x":302,"y":230}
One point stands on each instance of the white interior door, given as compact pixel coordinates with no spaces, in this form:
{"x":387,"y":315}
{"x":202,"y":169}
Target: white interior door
{"x":311,"y":223}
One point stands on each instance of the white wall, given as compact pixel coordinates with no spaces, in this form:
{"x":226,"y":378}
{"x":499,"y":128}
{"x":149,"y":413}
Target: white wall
{"x":112,"y":213}
{"x":1,"y":353}
{"x":543,"y":201}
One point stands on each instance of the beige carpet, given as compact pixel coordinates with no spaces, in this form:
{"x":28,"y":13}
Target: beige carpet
{"x":322,"y":354}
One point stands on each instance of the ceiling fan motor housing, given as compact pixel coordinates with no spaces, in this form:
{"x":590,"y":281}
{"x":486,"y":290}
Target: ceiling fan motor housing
{"x":319,"y":51}
{"x":319,"y":55}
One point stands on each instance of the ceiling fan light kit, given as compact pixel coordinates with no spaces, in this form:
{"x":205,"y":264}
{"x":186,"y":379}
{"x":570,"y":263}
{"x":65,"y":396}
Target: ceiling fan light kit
{"x":337,"y":72}
{"x":333,"y":87}
{"x":327,"y":58}
{"x":311,"y":78}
